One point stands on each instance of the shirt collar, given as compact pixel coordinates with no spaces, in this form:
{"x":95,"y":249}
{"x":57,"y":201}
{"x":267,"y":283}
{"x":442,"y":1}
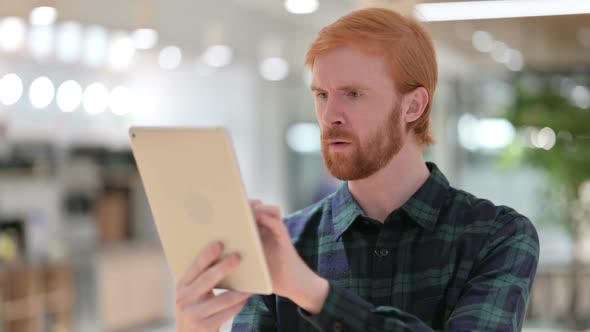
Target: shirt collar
{"x":344,"y":210}
{"x":423,"y":207}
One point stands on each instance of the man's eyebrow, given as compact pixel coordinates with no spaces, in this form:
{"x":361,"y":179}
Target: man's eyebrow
{"x":352,"y":87}
{"x":342,"y":88}
{"x":315,"y":88}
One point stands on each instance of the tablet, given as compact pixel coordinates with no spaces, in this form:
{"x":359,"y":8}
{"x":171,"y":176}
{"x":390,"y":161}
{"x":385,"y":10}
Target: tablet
{"x":196,"y":195}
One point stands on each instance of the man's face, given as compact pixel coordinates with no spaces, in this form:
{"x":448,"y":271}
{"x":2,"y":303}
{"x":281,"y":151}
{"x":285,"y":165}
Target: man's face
{"x":358,"y":112}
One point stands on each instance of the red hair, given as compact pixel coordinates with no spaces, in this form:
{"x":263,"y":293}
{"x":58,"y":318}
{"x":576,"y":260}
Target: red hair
{"x":403,"y":41}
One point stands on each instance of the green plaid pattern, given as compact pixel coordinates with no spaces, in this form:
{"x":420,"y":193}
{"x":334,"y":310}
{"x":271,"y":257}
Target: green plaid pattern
{"x":444,"y":261}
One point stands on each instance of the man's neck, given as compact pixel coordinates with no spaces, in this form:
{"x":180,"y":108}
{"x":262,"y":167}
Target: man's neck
{"x":393,"y":185}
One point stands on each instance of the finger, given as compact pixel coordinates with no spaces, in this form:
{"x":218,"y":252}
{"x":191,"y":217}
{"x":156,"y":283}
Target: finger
{"x":204,"y":313}
{"x":268,"y":224}
{"x":271,"y":210}
{"x":208,"y":280}
{"x":270,"y":229}
{"x":215,"y":321}
{"x":207,"y":257}
{"x":220,"y":303}
{"x":254,"y":201}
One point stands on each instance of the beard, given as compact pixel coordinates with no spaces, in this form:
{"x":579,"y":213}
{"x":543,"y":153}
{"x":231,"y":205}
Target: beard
{"x":363,"y":159}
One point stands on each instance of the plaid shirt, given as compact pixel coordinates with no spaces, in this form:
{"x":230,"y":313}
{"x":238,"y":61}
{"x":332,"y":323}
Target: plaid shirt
{"x":445,"y":260}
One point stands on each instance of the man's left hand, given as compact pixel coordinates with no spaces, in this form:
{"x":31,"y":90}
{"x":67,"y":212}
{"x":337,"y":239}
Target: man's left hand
{"x":291,"y":277}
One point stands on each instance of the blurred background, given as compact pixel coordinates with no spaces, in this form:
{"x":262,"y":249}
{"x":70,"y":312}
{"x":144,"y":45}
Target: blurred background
{"x":78,"y":247}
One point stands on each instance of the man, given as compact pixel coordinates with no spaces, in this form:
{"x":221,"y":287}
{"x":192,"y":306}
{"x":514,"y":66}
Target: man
{"x":396,"y":248}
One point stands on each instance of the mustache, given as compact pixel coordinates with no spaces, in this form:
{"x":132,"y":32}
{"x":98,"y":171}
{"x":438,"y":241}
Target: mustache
{"x":337,"y":134}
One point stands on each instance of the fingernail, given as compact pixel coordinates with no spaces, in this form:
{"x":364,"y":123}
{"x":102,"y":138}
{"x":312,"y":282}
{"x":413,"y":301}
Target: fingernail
{"x":218,"y":246}
{"x":236,"y":257}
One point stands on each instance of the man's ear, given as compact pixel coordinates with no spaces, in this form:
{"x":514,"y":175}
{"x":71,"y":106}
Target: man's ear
{"x":416,"y":102}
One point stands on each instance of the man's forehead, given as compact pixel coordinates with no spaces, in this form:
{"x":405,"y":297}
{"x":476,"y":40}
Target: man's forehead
{"x":337,"y":82}
{"x":348,"y":67}
{"x":349,"y":53}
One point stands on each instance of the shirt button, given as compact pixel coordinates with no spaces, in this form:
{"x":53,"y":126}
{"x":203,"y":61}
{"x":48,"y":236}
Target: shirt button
{"x":383,"y":252}
{"x":336,"y":326}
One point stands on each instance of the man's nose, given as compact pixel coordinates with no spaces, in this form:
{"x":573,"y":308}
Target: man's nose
{"x":333,"y":114}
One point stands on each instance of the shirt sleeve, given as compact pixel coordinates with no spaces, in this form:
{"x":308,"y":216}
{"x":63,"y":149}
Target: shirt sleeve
{"x":494,"y":298}
{"x":255,"y":316}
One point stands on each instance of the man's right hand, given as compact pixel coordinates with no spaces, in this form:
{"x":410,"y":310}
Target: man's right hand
{"x":197,"y":308}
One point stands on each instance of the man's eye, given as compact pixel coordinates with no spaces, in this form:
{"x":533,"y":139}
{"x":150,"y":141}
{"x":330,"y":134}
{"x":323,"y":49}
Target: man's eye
{"x":321,"y":95}
{"x":353,"y":94}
